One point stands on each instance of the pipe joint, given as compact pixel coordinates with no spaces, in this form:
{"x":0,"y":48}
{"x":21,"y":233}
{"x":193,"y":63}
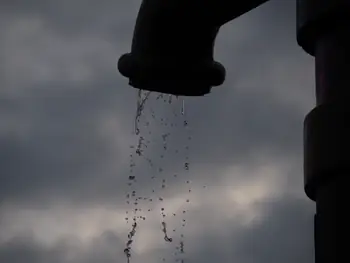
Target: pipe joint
{"x":326,"y":145}
{"x":315,"y":17}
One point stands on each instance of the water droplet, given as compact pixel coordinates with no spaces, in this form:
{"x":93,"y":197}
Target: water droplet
{"x":187,"y":166}
{"x":168,"y":239}
{"x":183,"y":107}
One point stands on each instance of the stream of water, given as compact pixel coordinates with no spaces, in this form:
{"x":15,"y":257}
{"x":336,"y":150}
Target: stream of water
{"x":147,"y":123}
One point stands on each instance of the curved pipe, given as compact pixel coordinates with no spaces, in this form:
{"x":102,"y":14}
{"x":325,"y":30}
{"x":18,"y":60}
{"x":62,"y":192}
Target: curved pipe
{"x":173,"y":45}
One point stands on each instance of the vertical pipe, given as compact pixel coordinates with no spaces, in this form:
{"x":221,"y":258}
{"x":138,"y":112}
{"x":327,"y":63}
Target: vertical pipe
{"x":332,"y":53}
{"x":332,"y":221}
{"x":328,"y":144}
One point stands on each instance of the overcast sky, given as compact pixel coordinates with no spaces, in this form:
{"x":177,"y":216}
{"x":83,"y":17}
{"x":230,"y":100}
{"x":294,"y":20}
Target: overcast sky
{"x":67,"y":124}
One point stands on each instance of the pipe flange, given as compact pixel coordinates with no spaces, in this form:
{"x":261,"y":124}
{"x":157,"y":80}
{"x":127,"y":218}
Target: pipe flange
{"x":315,"y":17}
{"x":326,"y":145}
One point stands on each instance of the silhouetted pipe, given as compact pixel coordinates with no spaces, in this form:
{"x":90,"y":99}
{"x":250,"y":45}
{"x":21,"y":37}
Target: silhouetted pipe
{"x":173,"y":45}
{"x":324,"y":32}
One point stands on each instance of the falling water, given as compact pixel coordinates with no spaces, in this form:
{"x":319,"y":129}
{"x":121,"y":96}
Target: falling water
{"x":138,"y":149}
{"x":166,"y":238}
{"x":183,"y":107}
{"x":128,"y":244}
{"x":157,"y":172}
{"x":140,"y":105}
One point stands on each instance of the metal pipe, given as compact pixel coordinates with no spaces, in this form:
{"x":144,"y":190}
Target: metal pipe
{"x":324,"y":32}
{"x":173,"y":45}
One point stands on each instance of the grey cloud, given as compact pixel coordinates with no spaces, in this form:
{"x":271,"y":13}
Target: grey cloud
{"x":105,"y":249}
{"x":283,"y":233}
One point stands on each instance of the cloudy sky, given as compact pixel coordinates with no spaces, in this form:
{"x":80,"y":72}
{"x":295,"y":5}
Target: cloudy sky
{"x":67,"y":125}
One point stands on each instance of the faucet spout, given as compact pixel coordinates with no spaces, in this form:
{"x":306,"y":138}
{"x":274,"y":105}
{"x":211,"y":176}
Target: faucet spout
{"x":173,"y":45}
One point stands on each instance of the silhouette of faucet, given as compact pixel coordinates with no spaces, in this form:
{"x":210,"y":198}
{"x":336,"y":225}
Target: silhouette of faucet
{"x":173,"y":45}
{"x":172,"y":52}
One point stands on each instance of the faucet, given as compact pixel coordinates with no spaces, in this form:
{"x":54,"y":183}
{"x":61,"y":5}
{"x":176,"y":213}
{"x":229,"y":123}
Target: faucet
{"x":173,"y":45}
{"x":172,"y":52}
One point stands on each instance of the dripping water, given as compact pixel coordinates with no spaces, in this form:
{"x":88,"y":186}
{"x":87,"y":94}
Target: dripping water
{"x":158,"y":171}
{"x":140,"y":105}
{"x":130,"y":240}
{"x":166,"y":238}
{"x":138,"y":150}
{"x":183,"y":107}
